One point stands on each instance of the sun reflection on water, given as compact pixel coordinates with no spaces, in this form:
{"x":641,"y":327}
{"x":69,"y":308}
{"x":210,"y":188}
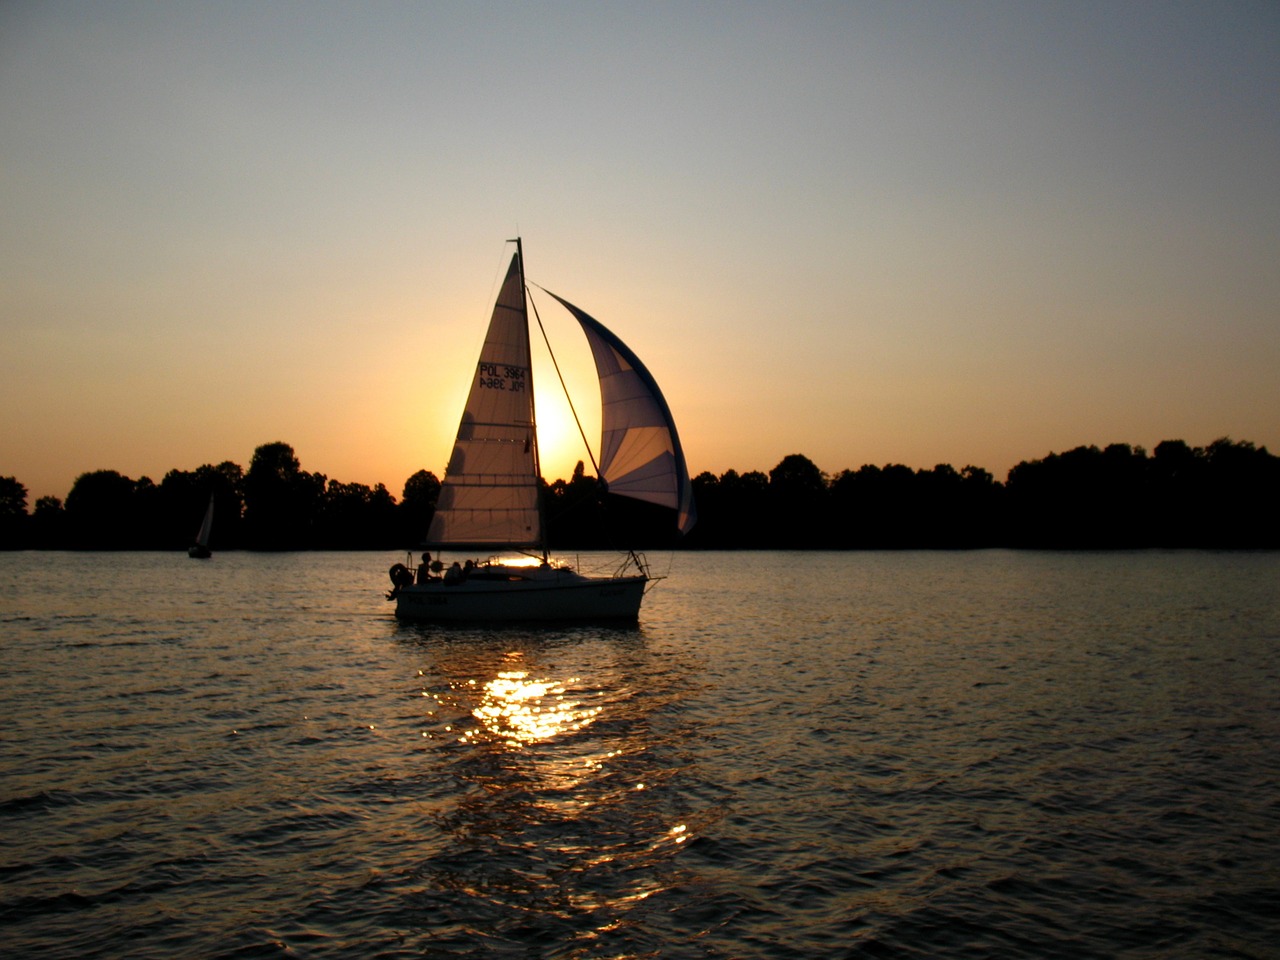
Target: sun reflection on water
{"x":565,"y":805}
{"x":519,"y":709}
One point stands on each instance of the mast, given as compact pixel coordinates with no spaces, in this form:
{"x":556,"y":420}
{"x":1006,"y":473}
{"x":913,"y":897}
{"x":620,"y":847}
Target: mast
{"x":537,"y":461}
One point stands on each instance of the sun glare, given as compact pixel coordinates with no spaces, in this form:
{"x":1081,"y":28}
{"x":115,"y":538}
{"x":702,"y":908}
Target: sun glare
{"x":522,"y":710}
{"x":560,"y":445}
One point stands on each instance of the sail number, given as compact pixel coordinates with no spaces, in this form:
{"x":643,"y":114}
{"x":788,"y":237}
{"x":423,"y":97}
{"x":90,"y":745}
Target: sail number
{"x":496,"y":376}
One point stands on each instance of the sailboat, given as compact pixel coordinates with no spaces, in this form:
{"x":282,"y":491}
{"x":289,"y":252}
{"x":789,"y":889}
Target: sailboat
{"x":489,"y":499}
{"x":200,"y":549}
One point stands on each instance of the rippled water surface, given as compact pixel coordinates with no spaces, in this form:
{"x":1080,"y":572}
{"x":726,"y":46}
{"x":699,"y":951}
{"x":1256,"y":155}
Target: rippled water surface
{"x":794,"y":755}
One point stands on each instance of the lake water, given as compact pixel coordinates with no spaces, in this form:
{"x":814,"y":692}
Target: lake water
{"x":989,"y":754}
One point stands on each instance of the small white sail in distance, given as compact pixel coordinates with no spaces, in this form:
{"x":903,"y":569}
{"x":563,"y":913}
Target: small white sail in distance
{"x":206,"y":525}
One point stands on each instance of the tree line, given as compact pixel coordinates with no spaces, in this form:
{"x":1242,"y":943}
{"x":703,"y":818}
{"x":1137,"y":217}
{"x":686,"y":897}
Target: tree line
{"x":1225,"y":495}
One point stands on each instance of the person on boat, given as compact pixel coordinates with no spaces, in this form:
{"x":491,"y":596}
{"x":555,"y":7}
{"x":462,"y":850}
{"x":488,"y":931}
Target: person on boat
{"x":467,"y":569}
{"x":424,"y":568}
{"x":453,"y":574}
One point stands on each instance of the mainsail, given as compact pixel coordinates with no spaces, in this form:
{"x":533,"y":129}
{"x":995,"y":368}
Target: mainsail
{"x":489,"y":497}
{"x":640,"y":454}
{"x":206,"y":525}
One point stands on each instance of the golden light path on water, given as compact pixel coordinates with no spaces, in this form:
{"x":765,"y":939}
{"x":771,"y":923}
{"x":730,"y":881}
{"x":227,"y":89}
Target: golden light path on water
{"x":522,"y":711}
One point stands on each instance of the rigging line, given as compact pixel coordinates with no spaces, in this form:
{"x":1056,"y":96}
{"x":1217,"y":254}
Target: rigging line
{"x":525,"y":300}
{"x":563,"y":386}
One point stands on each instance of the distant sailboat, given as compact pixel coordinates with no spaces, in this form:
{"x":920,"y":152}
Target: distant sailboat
{"x":200,"y":549}
{"x":489,"y":498}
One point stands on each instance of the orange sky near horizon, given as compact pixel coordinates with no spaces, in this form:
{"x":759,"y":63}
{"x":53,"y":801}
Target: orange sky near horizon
{"x":902,"y":233}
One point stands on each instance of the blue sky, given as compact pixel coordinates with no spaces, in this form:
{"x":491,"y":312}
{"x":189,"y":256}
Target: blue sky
{"x":865,"y":232}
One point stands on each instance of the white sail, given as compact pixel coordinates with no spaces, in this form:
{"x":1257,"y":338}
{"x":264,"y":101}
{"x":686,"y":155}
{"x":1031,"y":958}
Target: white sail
{"x":640,"y":453}
{"x":489,"y":497}
{"x":202,"y":538}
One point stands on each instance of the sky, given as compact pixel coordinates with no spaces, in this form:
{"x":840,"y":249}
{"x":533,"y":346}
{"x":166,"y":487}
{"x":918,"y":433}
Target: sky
{"x":865,"y":232}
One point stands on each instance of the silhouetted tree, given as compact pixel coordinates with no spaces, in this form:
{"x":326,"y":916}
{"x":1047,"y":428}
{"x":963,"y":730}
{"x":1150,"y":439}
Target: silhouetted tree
{"x":282,"y":501}
{"x":49,"y":524}
{"x":798,"y":504}
{"x":1176,"y":482}
{"x":954,"y":509}
{"x":1085,"y":497}
{"x":13,"y":513}
{"x":577,"y":512}
{"x":1240,"y":493}
{"x":102,"y":512}
{"x":383,"y":519}
{"x":417,"y":506}
{"x":733,"y":510}
{"x":182,"y":506}
{"x":710,"y":529}
{"x":874,"y":507}
{"x":147,"y":514}
{"x":1055,"y":502}
{"x":846,"y":508}
{"x":980,"y":510}
{"x":355,"y":516}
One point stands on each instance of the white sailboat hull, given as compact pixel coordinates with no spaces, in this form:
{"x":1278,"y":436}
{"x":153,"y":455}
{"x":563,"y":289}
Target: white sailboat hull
{"x":553,"y":595}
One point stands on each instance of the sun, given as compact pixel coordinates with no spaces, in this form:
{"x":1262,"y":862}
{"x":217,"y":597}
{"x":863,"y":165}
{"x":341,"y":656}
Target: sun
{"x":560,"y":445}
{"x":560,"y":441}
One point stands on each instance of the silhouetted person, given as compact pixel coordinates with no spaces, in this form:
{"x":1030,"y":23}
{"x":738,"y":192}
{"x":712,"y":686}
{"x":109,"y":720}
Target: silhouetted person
{"x":424,"y":569}
{"x":453,"y":574}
